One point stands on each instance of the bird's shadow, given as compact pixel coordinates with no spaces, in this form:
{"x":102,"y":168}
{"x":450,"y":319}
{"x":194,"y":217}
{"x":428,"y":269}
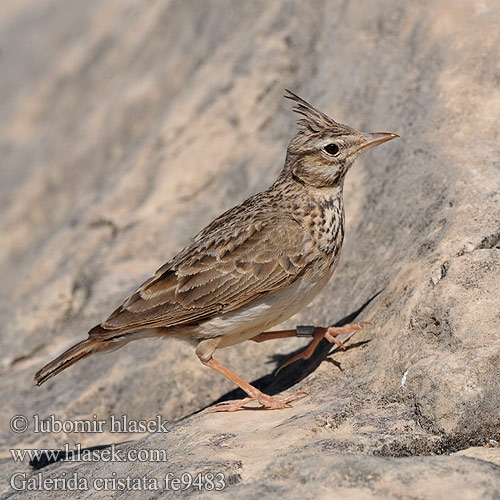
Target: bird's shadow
{"x":274,"y":383}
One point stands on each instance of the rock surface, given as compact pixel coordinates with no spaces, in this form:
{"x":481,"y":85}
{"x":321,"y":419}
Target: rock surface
{"x":126,"y":126}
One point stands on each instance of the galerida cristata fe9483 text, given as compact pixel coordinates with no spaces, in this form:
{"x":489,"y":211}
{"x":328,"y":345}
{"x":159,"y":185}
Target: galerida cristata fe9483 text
{"x":251,"y":268}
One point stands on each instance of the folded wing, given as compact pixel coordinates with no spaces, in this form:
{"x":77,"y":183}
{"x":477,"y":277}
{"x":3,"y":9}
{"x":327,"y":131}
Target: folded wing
{"x":218,"y":272}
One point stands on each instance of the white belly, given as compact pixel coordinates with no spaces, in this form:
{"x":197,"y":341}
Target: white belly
{"x":248,"y":321}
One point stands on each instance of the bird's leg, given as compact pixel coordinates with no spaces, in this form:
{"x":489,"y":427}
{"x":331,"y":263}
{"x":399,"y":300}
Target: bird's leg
{"x":318,"y":333}
{"x":280,"y":334}
{"x":254,"y":394}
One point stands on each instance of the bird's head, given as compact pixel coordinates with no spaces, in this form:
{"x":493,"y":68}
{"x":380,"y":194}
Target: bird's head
{"x":322,"y":151}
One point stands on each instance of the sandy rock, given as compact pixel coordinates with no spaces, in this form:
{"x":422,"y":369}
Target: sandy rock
{"x":490,"y":454}
{"x":127,"y":126}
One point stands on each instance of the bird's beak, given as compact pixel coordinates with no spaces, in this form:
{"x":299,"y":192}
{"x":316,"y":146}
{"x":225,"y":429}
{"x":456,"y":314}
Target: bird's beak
{"x":375,"y":139}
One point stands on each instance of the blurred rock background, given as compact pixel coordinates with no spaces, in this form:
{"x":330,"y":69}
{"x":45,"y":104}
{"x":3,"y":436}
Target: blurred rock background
{"x":126,"y":126}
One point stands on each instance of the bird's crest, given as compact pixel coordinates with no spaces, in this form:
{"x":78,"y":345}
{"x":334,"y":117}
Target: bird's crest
{"x":314,"y":120}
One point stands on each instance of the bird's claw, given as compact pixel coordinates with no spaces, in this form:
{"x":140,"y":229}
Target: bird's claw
{"x":329,"y":334}
{"x":265,"y":401}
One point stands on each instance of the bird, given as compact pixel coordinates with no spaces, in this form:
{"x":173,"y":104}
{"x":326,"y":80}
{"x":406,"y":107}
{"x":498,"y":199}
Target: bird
{"x":252,"y":267}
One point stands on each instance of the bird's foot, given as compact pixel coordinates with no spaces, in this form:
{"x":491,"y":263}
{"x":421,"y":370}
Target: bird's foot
{"x":328,"y":333}
{"x":266,"y":402}
{"x":332,"y":331}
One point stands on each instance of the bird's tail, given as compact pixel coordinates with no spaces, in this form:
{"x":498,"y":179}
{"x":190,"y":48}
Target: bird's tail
{"x":67,"y":358}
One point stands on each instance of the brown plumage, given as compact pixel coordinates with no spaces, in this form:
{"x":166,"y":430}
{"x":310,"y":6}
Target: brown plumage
{"x":252,"y":267}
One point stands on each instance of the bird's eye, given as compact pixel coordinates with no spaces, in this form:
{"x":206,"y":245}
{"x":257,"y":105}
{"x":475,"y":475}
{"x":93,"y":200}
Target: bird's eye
{"x":331,"y":149}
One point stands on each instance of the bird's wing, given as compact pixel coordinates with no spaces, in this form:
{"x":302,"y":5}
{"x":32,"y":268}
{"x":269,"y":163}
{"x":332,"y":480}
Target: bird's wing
{"x":218,"y":272}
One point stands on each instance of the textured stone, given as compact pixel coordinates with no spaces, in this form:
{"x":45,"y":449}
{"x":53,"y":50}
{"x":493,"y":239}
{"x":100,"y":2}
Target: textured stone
{"x":126,"y":126}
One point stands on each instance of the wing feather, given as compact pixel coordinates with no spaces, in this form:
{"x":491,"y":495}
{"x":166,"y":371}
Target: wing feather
{"x":215,"y":274}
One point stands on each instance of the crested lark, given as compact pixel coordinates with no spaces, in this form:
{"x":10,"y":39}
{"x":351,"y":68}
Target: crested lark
{"x":251,"y":268}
